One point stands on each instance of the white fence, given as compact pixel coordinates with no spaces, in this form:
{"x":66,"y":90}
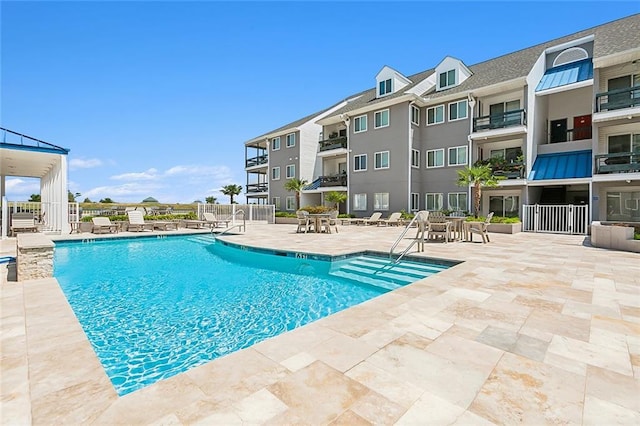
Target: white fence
{"x":47,"y":215}
{"x":252,"y":212}
{"x":558,"y":219}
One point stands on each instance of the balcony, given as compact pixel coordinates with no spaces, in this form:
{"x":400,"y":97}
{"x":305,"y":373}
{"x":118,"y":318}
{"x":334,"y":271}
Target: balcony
{"x":257,"y":161}
{"x":577,"y":134}
{"x":333,"y":180}
{"x":333,"y":143}
{"x":628,"y":97}
{"x":253,"y":188}
{"x":620,"y":162}
{"x":504,"y":168}
{"x":500,"y":121}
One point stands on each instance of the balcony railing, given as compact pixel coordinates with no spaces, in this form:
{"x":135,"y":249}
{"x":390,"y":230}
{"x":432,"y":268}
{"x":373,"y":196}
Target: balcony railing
{"x":618,"y":99}
{"x":577,"y":134}
{"x":499,"y":121}
{"x":620,"y":162}
{"x":333,"y":180}
{"x":257,"y":187}
{"x":256,"y":161}
{"x":335,"y":143}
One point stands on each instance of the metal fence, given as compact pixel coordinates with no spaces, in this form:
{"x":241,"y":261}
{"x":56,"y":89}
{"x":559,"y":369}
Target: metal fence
{"x":557,"y":219}
{"x":252,"y":212}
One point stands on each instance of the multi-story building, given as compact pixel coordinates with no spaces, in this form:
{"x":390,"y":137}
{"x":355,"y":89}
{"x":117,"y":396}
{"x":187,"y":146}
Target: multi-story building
{"x":559,"y":121}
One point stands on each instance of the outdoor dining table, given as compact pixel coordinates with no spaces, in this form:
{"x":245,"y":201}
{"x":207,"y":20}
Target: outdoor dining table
{"x":317,"y":218}
{"x":456,"y":227}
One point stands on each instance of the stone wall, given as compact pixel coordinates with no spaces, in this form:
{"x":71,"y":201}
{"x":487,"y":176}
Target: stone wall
{"x":614,"y":237}
{"x":34,"y":257}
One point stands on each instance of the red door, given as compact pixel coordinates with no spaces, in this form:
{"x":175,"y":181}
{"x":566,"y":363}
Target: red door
{"x":582,"y":127}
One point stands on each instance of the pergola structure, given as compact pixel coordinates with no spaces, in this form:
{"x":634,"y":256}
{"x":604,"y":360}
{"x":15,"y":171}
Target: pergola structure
{"x":25,"y":156}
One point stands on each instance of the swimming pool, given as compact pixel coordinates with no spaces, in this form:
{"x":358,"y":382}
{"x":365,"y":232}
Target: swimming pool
{"x":155,"y":307}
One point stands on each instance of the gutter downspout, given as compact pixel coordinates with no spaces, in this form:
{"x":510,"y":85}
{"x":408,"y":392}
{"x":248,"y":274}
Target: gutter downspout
{"x":347,"y":122}
{"x":472,"y":103}
{"x":410,"y":154}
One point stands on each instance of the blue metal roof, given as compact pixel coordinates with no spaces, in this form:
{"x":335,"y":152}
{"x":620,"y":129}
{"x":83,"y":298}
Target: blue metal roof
{"x":562,"y":165}
{"x":27,"y":143}
{"x":566,"y":74}
{"x":313,"y":185}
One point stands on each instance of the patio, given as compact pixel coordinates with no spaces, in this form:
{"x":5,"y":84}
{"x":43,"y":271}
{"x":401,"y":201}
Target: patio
{"x":531,"y":328}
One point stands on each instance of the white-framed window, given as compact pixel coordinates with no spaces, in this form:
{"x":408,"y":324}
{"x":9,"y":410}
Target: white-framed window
{"x":415,"y":201}
{"x":458,"y":110}
{"x":435,"y":158}
{"x":509,"y":154}
{"x":446,"y":79}
{"x":433,"y":201}
{"x":291,"y":171}
{"x":458,"y":156}
{"x":360,"y":124}
{"x":275,"y":144}
{"x":381,"y":119}
{"x":435,"y":115}
{"x":458,"y":201}
{"x":415,"y":115}
{"x":360,"y":162}
{"x":291,"y":203}
{"x":415,"y":158}
{"x":381,"y":160}
{"x":359,"y":202}
{"x":291,"y":140}
{"x":381,"y":201}
{"x":384,"y":87}
{"x":276,"y":202}
{"x":505,"y":205}
{"x":275,"y":173}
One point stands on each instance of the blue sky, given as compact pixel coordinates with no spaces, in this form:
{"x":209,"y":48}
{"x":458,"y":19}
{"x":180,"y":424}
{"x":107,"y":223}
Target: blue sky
{"x":158,"y":98}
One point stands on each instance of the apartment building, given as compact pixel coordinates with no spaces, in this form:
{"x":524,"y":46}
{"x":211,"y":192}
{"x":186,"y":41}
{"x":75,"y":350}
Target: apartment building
{"x":559,"y":121}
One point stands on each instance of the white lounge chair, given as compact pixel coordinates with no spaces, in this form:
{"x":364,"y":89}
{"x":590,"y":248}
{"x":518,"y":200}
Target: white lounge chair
{"x":394,"y":219}
{"x":137,"y":223}
{"x":211,"y":220}
{"x":102,"y":224}
{"x":373,"y":220}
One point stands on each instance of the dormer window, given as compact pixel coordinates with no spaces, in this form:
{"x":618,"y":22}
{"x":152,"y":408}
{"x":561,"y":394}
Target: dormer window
{"x":385,"y":87}
{"x":447,"y":79}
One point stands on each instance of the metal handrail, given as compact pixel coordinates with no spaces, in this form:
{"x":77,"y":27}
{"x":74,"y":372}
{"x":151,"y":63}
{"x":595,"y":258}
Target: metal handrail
{"x":242,"y":225}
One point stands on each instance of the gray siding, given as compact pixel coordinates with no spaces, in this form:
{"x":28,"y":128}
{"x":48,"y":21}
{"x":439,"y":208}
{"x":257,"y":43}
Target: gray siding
{"x":281,"y":158}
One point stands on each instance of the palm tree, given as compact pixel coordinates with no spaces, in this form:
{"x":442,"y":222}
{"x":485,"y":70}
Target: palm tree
{"x":296,"y":185}
{"x":210,"y":200}
{"x":478,"y":176}
{"x":336,"y":197}
{"x":231,"y":190}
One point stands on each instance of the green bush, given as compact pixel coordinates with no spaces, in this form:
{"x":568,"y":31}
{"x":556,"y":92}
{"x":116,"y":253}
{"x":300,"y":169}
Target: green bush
{"x":317,"y":209}
{"x":494,"y":219}
{"x":285,"y":214}
{"x":346,"y":216}
{"x":636,"y":236}
{"x":405,"y":215}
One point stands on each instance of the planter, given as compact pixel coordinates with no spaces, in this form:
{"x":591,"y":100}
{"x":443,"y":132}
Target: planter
{"x":614,"y":237}
{"x":287,"y":220}
{"x":505,"y":228}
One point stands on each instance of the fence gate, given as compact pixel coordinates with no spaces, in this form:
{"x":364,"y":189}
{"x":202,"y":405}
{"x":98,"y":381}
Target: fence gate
{"x":558,"y":219}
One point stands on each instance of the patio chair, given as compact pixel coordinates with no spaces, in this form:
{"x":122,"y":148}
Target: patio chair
{"x":331,"y":220}
{"x":102,"y":224}
{"x":23,"y":222}
{"x":395,"y":219}
{"x":480,"y":228}
{"x":373,"y":220}
{"x":438,"y":227}
{"x":211,"y":220}
{"x":137,"y":223}
{"x":304,"y":221}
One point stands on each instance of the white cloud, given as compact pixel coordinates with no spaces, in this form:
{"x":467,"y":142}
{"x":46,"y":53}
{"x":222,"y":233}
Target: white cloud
{"x":79,"y":163}
{"x":151,"y":174}
{"x":20,"y":189}
{"x":126,"y":192}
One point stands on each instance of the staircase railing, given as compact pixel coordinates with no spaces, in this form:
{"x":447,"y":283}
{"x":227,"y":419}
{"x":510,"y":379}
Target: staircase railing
{"x":419,"y":219}
{"x":240,"y":226}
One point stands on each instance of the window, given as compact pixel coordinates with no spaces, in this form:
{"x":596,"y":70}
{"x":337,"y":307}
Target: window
{"x":435,"y":115}
{"x":458,"y":201}
{"x":359,"y":162}
{"x":275,"y":144}
{"x":360,"y":202}
{"x":624,"y":143}
{"x":458,"y":110}
{"x":291,"y":203}
{"x":381,"y":201}
{"x":415,"y":201}
{"x":381,"y":118}
{"x":458,"y":156}
{"x":623,"y":206}
{"x":291,"y":171}
{"x":447,"y":79}
{"x":360,"y":124}
{"x":435,"y":158}
{"x":434,"y":202}
{"x":415,"y":115}
{"x":275,"y":173}
{"x":501,"y":115}
{"x":504,"y":205}
{"x":509,"y":154}
{"x":276,"y":202}
{"x":381,"y":160}
{"x":415,"y":158}
{"x":385,"y":87}
{"x":291,"y":140}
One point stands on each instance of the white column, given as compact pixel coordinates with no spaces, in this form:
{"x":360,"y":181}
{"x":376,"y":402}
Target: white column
{"x":64,"y":204}
{"x":5,"y":208}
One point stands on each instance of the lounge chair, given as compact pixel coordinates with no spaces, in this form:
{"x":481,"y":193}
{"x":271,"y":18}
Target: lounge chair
{"x":438,"y":226}
{"x":137,"y":223}
{"x":23,"y":222}
{"x":304,"y":221}
{"x":373,"y":220}
{"x":480,"y":228}
{"x":395,"y":220}
{"x":331,"y":220}
{"x":195,"y":224}
{"x":102,"y":224}
{"x":211,"y":220}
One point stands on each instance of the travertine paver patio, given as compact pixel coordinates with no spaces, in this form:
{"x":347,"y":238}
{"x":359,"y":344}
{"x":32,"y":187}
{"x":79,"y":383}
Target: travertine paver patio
{"x":531,"y":328}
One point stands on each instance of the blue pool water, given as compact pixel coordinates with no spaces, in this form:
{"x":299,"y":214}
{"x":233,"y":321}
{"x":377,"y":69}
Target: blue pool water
{"x":153,"y":308}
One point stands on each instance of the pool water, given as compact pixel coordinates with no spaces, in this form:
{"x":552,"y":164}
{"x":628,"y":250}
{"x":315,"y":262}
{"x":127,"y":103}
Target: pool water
{"x":153,"y":308}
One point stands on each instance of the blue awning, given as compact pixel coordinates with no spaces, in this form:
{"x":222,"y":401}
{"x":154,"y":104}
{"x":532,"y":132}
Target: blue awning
{"x":566,"y":74}
{"x":562,"y":165}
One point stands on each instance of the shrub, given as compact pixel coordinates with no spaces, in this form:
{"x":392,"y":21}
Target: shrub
{"x":494,"y":219}
{"x":285,"y":214}
{"x":317,"y":209}
{"x":405,"y":215}
{"x":346,"y":216}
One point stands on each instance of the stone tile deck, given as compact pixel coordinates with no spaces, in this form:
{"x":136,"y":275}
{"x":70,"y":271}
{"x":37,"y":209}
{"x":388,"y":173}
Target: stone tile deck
{"x":531,"y":328}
